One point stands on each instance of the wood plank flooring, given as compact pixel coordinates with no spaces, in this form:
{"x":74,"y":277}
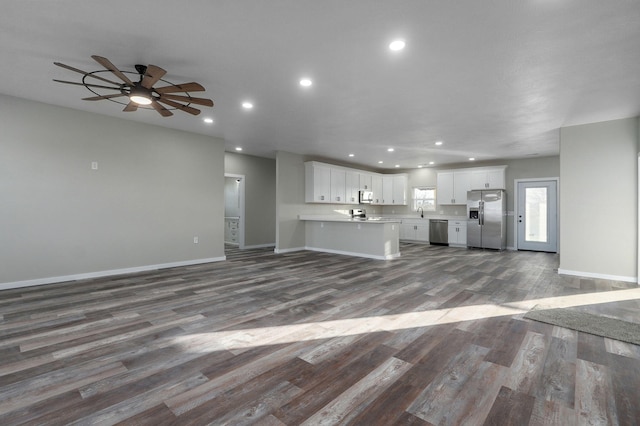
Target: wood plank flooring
{"x":436,"y":337}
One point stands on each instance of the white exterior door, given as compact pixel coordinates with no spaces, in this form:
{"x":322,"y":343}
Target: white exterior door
{"x":537,"y":215}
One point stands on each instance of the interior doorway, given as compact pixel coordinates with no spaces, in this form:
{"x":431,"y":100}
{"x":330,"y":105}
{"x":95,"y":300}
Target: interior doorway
{"x":536,"y":215}
{"x":234,"y":217}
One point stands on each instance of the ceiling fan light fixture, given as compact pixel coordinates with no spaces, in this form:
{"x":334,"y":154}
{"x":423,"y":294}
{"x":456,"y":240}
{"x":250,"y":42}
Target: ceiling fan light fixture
{"x":142,"y":92}
{"x":397,"y":45}
{"x":140,"y":100}
{"x":140,"y":95}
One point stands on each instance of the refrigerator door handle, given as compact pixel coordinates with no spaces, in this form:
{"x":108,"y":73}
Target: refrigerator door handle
{"x":481,"y":213}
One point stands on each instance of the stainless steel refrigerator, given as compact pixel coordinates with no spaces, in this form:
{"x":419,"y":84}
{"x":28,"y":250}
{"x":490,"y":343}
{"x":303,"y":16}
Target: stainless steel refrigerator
{"x":487,"y":219}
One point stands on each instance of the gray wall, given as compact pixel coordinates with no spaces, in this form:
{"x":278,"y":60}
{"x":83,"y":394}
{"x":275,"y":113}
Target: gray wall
{"x":536,"y":167}
{"x":154,"y":191}
{"x":260,"y":196}
{"x":599,"y":198}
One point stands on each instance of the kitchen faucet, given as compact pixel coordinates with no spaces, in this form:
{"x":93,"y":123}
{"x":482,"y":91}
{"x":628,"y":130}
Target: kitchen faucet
{"x":421,"y":211}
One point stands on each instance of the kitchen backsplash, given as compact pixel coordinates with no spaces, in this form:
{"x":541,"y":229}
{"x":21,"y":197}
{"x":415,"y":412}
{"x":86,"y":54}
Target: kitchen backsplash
{"x":460,"y":210}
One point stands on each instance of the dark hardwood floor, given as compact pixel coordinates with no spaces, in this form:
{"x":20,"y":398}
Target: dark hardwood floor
{"x":436,"y":337}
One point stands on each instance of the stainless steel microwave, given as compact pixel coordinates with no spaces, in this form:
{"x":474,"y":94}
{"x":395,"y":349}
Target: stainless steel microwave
{"x":365,"y":197}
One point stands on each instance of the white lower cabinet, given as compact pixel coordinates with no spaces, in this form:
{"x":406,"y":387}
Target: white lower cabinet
{"x":414,"y":230}
{"x":457,"y":233}
{"x":231,"y":230}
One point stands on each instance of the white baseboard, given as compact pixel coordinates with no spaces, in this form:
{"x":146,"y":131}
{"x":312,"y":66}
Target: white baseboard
{"x":256,"y":246}
{"x":601,"y":276}
{"x":349,"y":253}
{"x":99,"y":274}
{"x":289,"y":250}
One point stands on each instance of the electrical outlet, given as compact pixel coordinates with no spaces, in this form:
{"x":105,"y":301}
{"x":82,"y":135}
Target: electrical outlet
{"x":195,"y":240}
{"x":94,"y":165}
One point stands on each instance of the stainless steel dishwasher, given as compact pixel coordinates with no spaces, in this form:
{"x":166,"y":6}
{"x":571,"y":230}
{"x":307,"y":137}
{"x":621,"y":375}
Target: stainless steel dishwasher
{"x":439,"y":232}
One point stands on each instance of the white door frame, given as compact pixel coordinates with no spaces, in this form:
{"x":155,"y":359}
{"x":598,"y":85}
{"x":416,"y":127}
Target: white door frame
{"x":516,"y":212}
{"x":241,"y":202}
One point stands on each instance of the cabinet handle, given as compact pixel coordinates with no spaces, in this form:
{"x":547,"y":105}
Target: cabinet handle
{"x":337,"y":198}
{"x":322,"y":197}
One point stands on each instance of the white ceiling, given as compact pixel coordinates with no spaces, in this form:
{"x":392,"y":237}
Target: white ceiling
{"x":493,"y":79}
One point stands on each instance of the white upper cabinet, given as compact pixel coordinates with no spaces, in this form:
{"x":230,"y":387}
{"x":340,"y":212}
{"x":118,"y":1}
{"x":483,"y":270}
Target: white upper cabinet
{"x":394,"y":190}
{"x":387,"y":189}
{"x":444,"y":188}
{"x":353,"y":186}
{"x":461,"y":184}
{"x":317,"y":183}
{"x":399,"y":190}
{"x":376,"y":187}
{"x":452,"y":186}
{"x":489,"y":178}
{"x":325,"y":183}
{"x":365,"y":181}
{"x":338,"y":186}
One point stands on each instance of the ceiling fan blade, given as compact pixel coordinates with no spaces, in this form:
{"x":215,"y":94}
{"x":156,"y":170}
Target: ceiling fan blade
{"x":184,"y":108}
{"x":188,"y":99}
{"x":131,"y":106}
{"x":108,"y":65}
{"x":85,"y":73}
{"x":87,"y":85}
{"x":186,"y":87}
{"x":99,"y":98}
{"x":162,"y":110}
{"x":151,"y":77}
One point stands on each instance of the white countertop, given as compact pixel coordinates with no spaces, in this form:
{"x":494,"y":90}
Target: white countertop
{"x":342,"y":218}
{"x":376,"y":219}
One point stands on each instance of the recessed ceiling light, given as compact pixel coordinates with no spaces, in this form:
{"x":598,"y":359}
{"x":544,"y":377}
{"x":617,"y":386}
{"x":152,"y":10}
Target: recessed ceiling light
{"x":419,"y":166}
{"x":351,"y":155}
{"x":397,"y":165}
{"x":247,"y":105}
{"x":305,"y":82}
{"x":431,"y":163}
{"x":208,"y":120}
{"x":380,"y":162}
{"x":472,"y":159}
{"x":390,"y":149}
{"x":397,"y":45}
{"x":438,"y":143}
{"x":238,"y":148}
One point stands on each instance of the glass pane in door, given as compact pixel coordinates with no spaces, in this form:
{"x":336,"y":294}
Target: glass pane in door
{"x":536,"y":214}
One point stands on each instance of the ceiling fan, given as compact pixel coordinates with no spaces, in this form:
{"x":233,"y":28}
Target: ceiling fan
{"x":140,"y":93}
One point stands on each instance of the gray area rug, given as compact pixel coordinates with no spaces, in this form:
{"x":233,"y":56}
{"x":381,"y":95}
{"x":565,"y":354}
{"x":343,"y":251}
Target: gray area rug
{"x":588,"y":323}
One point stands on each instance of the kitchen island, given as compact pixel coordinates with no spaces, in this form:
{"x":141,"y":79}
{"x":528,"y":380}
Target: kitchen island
{"x":374,"y":238}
